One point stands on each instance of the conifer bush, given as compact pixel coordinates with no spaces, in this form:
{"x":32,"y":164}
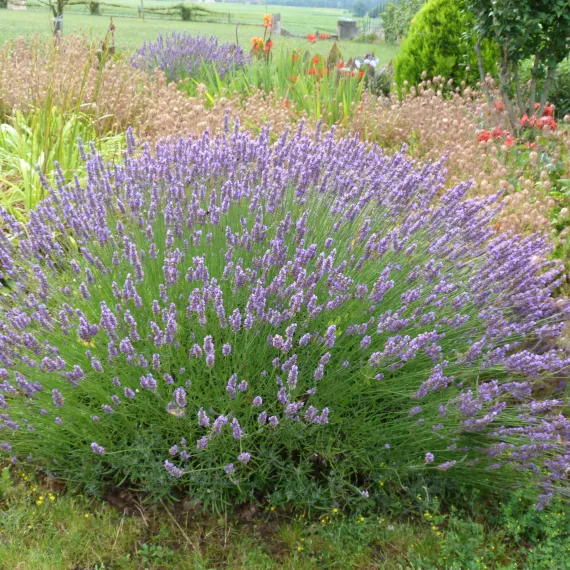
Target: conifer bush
{"x":233,"y":317}
{"x":440,"y":42}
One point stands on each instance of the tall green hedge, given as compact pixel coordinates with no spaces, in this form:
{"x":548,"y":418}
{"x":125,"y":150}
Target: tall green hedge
{"x":441,"y":42}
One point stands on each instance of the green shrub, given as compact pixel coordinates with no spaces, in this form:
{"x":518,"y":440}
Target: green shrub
{"x":440,"y":42}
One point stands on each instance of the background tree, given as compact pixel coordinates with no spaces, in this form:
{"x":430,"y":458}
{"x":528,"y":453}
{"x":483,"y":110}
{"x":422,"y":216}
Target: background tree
{"x":359,"y":9}
{"x":56,"y":7}
{"x":397,"y":17}
{"x":523,"y":29}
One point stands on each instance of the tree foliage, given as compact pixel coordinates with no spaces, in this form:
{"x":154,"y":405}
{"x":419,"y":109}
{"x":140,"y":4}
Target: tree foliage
{"x":397,"y":17}
{"x":523,"y":29}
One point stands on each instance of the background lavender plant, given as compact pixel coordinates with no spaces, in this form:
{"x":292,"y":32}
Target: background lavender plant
{"x":301,"y":318}
{"x":182,"y":56}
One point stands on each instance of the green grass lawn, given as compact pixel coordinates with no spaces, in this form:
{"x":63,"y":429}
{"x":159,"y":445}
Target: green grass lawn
{"x":133,"y":32}
{"x":45,"y":528}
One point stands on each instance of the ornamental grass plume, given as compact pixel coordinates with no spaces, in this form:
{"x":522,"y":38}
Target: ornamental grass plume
{"x":180,"y":56}
{"x":377,"y":326}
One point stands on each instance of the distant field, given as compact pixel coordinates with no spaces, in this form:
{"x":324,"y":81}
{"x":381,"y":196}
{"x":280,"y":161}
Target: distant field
{"x":295,"y":20}
{"x":132,"y":32}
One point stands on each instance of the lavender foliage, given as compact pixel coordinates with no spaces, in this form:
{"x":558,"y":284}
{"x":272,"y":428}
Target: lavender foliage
{"x":320,"y":252}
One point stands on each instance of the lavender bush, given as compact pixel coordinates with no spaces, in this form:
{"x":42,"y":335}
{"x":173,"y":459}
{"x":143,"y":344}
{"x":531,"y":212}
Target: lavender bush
{"x":303,"y":318}
{"x":182,"y":56}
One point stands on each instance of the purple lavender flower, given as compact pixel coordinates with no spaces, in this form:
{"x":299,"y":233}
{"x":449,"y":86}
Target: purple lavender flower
{"x":244,"y":457}
{"x":180,"y":397}
{"x":429,"y":457}
{"x":148,"y":382}
{"x":447,"y":465}
{"x":258,"y":401}
{"x":129,"y":393}
{"x":219,"y":423}
{"x":96,"y":448}
{"x":173,"y":470}
{"x":202,"y":443}
{"x":236,"y":429}
{"x":203,"y":419}
{"x":229,"y":469}
{"x":58,"y":399}
{"x":231,"y":386}
{"x":226,"y":349}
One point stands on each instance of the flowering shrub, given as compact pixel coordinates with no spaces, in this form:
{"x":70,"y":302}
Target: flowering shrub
{"x":181,"y":56}
{"x":301,"y":318}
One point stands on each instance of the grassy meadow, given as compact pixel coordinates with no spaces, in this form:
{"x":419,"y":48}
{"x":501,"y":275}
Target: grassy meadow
{"x":131,"y":31}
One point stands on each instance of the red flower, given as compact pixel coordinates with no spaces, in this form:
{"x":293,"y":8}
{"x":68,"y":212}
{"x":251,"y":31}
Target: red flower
{"x":496,"y":132}
{"x":546,"y":121}
{"x":325,"y":36}
{"x":268,"y":45}
{"x":316,"y":59}
{"x":524,"y":120}
{"x":293,"y":79}
{"x":548,"y":111}
{"x":312,"y":71}
{"x":484,"y":136}
{"x":499,"y":106}
{"x":340,"y":64}
{"x":509,"y":140}
{"x":312,"y":38}
{"x":361,"y":74}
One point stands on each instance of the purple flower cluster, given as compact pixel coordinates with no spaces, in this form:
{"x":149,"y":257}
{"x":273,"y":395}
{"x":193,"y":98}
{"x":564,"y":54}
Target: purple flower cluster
{"x":180,"y":56}
{"x":255,"y":288}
